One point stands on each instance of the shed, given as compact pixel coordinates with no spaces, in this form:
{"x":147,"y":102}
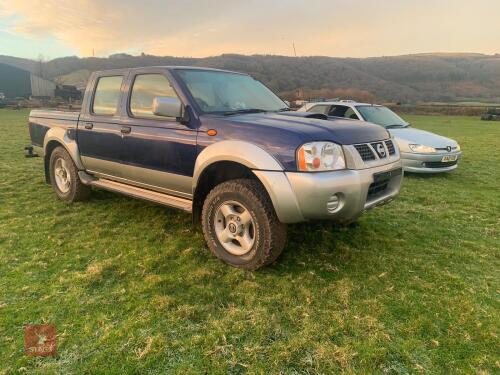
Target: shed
{"x":16,"y":82}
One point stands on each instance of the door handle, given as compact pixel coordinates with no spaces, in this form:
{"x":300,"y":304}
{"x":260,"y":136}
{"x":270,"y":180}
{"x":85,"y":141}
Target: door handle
{"x":89,"y":125}
{"x":126,"y":129}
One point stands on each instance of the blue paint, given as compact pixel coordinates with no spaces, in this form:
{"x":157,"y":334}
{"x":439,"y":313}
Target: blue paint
{"x":170,"y":146}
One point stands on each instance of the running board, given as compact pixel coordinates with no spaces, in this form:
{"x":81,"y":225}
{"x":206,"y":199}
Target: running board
{"x":149,"y":195}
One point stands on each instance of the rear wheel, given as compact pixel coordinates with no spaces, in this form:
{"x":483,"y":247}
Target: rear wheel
{"x":240,"y":225}
{"x":64,"y":177}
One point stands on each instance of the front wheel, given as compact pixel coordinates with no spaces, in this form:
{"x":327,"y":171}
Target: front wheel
{"x":240,"y":225}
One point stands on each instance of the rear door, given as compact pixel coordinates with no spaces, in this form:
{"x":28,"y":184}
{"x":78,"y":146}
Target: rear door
{"x":99,"y":131}
{"x":159,"y":153}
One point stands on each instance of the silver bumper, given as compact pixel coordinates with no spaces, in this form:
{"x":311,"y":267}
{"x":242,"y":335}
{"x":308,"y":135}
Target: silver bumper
{"x":305,"y":196}
{"x":417,"y":163}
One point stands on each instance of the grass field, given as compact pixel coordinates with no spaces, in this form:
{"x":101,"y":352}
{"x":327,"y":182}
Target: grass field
{"x":132,"y":288}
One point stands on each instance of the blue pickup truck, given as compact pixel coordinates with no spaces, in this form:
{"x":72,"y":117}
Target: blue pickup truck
{"x":220,"y":145}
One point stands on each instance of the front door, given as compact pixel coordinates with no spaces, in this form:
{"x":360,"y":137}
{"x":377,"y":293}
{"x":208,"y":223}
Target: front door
{"x":158,"y":152}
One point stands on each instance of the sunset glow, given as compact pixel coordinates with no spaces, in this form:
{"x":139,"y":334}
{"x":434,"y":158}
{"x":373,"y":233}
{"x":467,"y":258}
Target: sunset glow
{"x":355,"y":28}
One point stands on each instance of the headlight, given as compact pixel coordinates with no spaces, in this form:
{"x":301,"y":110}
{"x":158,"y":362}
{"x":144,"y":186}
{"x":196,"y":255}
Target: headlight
{"x":458,"y":147}
{"x":320,"y":156}
{"x":422,"y":149}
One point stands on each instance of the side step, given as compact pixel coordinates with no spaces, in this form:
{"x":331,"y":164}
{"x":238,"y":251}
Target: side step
{"x":149,"y":195}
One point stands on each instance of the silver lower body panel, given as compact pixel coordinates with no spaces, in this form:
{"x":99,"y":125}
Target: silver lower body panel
{"x":299,"y":196}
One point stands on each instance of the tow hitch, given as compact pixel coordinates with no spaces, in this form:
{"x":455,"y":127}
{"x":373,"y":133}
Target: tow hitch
{"x":28,"y":152}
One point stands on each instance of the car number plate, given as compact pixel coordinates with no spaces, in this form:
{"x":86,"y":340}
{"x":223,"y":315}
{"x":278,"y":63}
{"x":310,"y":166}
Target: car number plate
{"x":382,"y":176}
{"x":449,"y":158}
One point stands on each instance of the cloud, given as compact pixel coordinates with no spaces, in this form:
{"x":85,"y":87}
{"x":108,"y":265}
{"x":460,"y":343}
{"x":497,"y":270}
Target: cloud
{"x":208,"y":27}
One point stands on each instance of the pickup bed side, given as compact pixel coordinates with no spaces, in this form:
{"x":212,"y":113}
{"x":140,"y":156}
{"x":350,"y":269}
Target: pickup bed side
{"x":50,"y":129}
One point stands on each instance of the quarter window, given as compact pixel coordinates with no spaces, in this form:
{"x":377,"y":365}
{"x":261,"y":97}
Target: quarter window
{"x":107,"y":95}
{"x":146,"y":88}
{"x":351,"y":114}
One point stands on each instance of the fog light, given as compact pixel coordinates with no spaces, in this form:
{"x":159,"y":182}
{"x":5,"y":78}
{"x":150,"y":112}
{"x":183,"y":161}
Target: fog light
{"x":333,"y":203}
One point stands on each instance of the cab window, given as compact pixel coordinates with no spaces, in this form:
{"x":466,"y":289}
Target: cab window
{"x":107,"y":95}
{"x":145,"y":88}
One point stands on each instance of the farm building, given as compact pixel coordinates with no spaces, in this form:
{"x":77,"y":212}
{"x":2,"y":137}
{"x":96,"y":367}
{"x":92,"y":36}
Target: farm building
{"x":16,"y":82}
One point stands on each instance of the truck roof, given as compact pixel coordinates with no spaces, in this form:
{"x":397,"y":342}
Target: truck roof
{"x":167,"y":67}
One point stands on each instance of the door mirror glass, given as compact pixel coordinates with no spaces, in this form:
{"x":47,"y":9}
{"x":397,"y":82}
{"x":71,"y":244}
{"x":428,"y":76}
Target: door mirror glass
{"x":167,"y":107}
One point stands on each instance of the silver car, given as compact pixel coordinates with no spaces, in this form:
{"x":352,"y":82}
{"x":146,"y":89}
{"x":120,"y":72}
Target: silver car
{"x":421,"y":151}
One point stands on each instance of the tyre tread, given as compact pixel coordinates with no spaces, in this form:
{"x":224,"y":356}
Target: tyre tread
{"x":274,"y":242}
{"x":79,"y":191}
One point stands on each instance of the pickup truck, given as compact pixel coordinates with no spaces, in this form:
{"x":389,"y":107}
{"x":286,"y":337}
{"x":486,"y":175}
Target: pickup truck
{"x":220,"y":145}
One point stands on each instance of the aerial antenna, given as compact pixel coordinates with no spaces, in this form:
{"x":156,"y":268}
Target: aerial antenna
{"x":294,"y":51}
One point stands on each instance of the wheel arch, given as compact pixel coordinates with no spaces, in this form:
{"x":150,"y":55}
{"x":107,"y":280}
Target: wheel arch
{"x":227,"y":160}
{"x":241,"y":152}
{"x":213,"y":175}
{"x":56,"y":137}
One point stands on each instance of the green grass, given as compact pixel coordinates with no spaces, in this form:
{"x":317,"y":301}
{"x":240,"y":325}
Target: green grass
{"x":471,"y":103}
{"x":132,"y":288}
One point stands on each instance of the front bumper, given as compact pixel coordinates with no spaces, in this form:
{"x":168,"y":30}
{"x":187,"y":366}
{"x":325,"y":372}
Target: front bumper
{"x":339,"y":195}
{"x":428,"y":163}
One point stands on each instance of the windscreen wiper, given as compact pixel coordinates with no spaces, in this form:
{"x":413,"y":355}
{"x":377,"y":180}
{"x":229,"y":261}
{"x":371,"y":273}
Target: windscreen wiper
{"x":243,"y":111}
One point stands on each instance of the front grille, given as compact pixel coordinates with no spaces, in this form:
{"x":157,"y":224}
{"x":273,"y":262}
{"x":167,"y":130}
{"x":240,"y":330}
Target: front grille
{"x":446,"y":149}
{"x":390,"y":147}
{"x":365,"y":152}
{"x":439,"y":164}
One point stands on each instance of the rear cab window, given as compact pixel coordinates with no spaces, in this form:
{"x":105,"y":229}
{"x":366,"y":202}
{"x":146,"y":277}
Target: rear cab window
{"x":144,"y":89}
{"x":107,"y":95}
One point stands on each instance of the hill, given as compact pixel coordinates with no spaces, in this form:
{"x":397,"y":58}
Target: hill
{"x":441,"y":77}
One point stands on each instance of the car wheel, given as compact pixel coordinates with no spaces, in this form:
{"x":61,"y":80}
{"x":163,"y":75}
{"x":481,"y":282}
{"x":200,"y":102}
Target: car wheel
{"x":64,"y":177}
{"x":240,"y":225}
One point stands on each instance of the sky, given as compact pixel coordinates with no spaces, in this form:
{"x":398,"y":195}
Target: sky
{"x":345,"y":28}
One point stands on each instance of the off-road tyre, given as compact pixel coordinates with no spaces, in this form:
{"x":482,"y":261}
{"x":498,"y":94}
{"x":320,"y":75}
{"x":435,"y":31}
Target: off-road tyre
{"x":77,"y":190}
{"x":269,"y":232}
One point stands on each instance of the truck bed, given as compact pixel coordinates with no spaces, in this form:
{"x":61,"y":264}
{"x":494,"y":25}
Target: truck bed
{"x":41,"y":120}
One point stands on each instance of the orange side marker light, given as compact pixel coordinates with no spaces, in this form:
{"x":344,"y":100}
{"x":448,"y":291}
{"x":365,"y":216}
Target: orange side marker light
{"x":211,"y":132}
{"x":302,"y":159}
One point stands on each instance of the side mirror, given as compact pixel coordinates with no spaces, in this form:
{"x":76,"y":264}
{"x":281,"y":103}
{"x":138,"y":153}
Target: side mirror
{"x":167,"y":107}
